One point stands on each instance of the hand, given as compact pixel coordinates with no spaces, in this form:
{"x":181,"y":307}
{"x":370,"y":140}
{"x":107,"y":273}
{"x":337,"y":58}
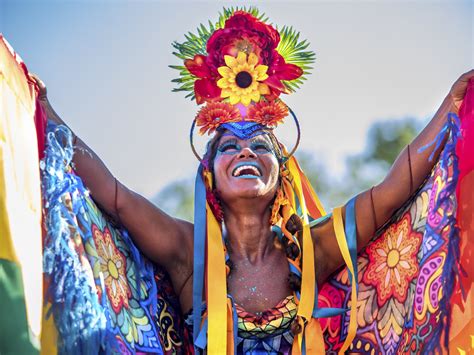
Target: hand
{"x":458,"y":90}
{"x":44,"y":102}
{"x":42,"y":93}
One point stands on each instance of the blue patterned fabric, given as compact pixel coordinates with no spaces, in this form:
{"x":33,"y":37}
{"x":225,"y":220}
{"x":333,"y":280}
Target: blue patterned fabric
{"x":103,"y":291}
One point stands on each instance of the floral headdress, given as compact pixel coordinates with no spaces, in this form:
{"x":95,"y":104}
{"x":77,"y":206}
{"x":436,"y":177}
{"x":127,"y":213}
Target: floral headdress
{"x":238,"y":68}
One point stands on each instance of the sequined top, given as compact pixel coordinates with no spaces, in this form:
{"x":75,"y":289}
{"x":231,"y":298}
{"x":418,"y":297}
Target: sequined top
{"x":267,"y":332}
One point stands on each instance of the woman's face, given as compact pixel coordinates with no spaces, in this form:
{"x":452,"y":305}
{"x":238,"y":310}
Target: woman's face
{"x":245,"y":168}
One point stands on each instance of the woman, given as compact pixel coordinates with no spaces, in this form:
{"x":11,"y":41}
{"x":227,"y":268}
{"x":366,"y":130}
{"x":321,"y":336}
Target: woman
{"x":245,"y":176}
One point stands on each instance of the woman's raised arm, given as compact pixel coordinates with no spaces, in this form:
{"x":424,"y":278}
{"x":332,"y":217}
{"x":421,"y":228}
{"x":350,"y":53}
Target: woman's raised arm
{"x":375,"y":206}
{"x":162,"y":238}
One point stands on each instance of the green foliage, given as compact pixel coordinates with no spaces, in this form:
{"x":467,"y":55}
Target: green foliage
{"x":177,"y":199}
{"x":385,"y":140}
{"x":294,"y":51}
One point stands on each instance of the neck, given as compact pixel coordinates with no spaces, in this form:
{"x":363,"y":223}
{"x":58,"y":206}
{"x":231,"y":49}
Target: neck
{"x":248,"y":232}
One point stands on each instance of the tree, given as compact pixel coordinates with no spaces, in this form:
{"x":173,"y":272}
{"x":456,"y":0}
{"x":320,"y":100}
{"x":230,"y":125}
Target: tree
{"x":385,"y":140}
{"x":177,"y":199}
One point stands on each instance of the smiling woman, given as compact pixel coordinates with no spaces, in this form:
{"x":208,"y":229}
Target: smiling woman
{"x":252,"y":274}
{"x":238,"y":159}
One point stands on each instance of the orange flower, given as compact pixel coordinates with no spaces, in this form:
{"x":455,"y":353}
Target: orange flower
{"x":269,"y":113}
{"x":393,"y":261}
{"x":113,"y":266}
{"x":214,"y":114}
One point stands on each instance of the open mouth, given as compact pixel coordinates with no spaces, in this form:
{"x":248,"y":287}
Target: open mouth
{"x":246,"y":170}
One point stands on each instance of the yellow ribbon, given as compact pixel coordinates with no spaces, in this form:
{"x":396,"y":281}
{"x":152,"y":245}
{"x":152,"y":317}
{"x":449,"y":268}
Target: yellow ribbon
{"x":342,"y":242}
{"x":314,"y":205}
{"x":216,"y":287}
{"x":314,"y":341}
{"x":298,"y":340}
{"x":314,"y":338}
{"x":308,"y":279}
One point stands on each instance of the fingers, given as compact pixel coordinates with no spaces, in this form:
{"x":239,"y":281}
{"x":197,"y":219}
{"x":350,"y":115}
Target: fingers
{"x":41,"y":86}
{"x":461,"y":84}
{"x":467,"y":76}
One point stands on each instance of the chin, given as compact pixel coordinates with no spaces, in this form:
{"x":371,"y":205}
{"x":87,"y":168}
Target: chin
{"x":249,"y":190}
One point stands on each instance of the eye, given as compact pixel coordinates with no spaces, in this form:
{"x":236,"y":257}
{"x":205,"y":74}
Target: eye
{"x":261,"y":147}
{"x":226,"y":147}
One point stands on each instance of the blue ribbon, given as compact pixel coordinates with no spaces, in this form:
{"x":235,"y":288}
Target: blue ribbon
{"x":328,"y":312}
{"x":235,"y":321}
{"x":320,"y":220}
{"x":452,"y":122}
{"x":201,"y":336}
{"x":199,"y":254}
{"x":351,"y":235}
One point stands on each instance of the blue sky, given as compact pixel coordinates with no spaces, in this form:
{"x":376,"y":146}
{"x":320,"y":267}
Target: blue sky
{"x":106,"y":67}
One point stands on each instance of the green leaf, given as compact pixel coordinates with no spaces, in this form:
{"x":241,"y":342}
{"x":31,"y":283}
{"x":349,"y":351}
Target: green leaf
{"x":295,"y":52}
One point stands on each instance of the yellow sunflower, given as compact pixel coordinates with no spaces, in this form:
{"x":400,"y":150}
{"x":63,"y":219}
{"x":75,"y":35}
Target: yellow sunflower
{"x":242,"y":79}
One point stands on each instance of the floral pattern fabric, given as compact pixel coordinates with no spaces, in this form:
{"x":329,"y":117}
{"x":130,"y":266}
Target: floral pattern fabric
{"x":399,"y":306}
{"x":142,"y":321}
{"x":403,"y":297}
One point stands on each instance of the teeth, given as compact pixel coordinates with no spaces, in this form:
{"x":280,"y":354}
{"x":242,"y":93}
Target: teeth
{"x":246,"y":167}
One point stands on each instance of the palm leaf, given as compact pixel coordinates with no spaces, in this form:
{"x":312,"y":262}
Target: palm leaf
{"x":295,"y":52}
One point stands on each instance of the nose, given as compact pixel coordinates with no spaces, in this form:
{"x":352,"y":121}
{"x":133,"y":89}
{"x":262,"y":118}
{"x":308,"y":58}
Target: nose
{"x":247,"y":153}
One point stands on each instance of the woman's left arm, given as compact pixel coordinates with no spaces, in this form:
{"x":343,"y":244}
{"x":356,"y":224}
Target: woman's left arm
{"x":375,"y":206}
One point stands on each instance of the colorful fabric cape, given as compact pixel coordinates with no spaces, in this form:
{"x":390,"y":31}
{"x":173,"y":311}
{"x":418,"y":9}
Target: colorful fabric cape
{"x":20,"y":210}
{"x":415,"y":278}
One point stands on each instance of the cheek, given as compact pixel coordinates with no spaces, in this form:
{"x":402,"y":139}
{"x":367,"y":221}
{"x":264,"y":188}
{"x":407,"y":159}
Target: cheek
{"x":221,"y":162}
{"x":273,"y":171}
{"x":273,"y":167}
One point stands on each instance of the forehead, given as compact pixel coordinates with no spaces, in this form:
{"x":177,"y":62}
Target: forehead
{"x":228,"y":136}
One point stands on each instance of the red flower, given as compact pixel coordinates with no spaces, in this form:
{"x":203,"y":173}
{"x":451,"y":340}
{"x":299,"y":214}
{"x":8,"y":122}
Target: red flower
{"x":197,"y":66}
{"x":279,"y":70}
{"x":214,"y":114}
{"x":393,"y":261}
{"x":245,"y":33}
{"x":205,"y":88}
{"x":242,"y":33}
{"x":269,"y":114}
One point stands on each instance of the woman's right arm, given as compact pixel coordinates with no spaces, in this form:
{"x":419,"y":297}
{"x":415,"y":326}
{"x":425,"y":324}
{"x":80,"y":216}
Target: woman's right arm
{"x":162,"y":238}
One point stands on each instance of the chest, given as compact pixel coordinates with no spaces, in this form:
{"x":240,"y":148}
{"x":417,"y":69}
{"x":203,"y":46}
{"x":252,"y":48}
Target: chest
{"x":261,"y":285}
